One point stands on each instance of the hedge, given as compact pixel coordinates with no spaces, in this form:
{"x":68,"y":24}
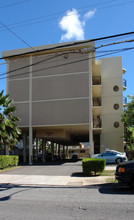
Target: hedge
{"x":8,"y":161}
{"x":93,"y":165}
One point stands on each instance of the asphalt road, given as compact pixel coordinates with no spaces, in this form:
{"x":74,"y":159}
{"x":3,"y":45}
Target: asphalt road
{"x":107,"y":201}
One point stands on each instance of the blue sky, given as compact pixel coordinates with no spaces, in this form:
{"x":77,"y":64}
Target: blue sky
{"x":39,"y":22}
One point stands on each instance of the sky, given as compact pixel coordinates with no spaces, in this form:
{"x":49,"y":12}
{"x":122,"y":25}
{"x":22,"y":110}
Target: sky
{"x":25,"y":23}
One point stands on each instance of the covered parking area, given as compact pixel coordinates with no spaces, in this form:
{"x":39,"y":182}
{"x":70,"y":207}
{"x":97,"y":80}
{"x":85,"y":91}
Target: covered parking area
{"x":53,"y":142}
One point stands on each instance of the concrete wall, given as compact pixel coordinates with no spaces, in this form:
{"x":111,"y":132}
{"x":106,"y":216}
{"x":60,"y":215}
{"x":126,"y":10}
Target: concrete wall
{"x":111,"y":75}
{"x":60,"y":89}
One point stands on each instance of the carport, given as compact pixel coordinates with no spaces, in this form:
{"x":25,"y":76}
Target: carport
{"x":60,"y":138}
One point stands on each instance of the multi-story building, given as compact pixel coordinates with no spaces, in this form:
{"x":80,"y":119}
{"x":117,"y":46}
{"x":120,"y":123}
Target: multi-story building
{"x":65,"y":96}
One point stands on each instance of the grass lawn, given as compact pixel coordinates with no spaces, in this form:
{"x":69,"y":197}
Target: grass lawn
{"x":108,"y":173}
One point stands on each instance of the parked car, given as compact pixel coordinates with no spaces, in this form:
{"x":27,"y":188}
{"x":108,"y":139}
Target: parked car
{"x":75,"y":156}
{"x":125,"y":173}
{"x":112,"y":156}
{"x":48,"y":157}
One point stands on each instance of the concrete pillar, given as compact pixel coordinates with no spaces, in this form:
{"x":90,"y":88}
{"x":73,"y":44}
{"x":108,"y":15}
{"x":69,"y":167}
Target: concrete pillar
{"x":52,"y":150}
{"x":43,"y":150}
{"x":30,"y":114}
{"x":91,"y":148}
{"x":24,"y":148}
{"x":67,"y":152}
{"x":63,"y":152}
{"x":30,"y":146}
{"x":56,"y":149}
{"x":36,"y":149}
{"x":7,"y":91}
{"x":59,"y":151}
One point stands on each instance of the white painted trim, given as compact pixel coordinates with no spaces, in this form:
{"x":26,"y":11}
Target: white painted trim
{"x":19,"y":79}
{"x":57,"y":100}
{"x":49,"y":76}
{"x":56,"y":125}
{"x":60,"y":75}
{"x":21,"y":102}
{"x":52,"y":100}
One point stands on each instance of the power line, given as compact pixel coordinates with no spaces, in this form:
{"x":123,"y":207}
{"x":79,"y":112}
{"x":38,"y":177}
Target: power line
{"x":58,"y":13}
{"x":36,"y":22}
{"x":20,"y":68}
{"x":110,"y":52}
{"x":13,"y":4}
{"x":72,"y":44}
{"x":114,"y":43}
{"x":16,"y":35}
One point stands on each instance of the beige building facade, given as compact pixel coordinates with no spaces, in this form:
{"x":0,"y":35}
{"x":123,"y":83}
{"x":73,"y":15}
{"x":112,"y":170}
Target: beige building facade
{"x":65,"y":96}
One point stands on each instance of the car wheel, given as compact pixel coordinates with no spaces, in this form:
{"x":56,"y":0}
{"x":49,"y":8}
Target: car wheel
{"x":118,"y":160}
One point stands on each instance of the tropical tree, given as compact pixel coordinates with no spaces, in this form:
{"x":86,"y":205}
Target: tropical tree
{"x":128,"y":119}
{"x":9,"y":131}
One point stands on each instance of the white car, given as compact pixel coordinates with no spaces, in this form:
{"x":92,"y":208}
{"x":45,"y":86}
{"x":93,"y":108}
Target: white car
{"x":112,"y":156}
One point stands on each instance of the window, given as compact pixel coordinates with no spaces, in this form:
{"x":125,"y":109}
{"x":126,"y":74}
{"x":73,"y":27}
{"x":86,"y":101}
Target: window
{"x":82,"y":151}
{"x":107,"y":154}
{"x":116,"y":88}
{"x":116,"y":106}
{"x":116,"y":124}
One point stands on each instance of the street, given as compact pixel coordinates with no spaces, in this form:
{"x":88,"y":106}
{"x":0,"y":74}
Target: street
{"x":107,"y":201}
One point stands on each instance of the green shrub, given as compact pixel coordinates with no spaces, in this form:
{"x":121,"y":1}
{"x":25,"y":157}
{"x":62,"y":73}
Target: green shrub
{"x":93,"y":165}
{"x":8,"y":161}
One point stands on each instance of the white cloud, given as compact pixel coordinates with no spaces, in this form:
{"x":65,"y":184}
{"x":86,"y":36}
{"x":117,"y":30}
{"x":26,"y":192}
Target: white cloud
{"x":90,"y":14}
{"x":73,"y":26}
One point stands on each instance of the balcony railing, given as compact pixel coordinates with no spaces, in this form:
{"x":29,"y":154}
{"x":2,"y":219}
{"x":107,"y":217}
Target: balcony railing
{"x":97,"y":123}
{"x":124,"y":83}
{"x":96,"y":80}
{"x":124,"y":100}
{"x":96,"y":101}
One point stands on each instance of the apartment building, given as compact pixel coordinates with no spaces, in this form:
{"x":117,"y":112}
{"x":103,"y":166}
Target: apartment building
{"x":66,"y":96}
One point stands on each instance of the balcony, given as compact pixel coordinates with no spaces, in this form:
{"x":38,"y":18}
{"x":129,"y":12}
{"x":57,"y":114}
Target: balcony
{"x":124,"y":84}
{"x":97,"y":123}
{"x":124,"y":70}
{"x":124,"y":101}
{"x":96,"y":102}
{"x":96,"y":80}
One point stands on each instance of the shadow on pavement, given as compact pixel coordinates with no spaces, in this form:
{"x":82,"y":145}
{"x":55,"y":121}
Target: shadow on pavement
{"x":115,"y":188}
{"x":108,"y":188}
{"x":80,"y":174}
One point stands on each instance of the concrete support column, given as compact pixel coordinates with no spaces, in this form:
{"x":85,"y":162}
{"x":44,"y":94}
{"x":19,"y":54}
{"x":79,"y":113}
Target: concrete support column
{"x":30,"y":146}
{"x":59,"y":151}
{"x":43,"y":150}
{"x":67,"y":152}
{"x":56,"y":149}
{"x":91,"y":148}
{"x":30,"y":114}
{"x":24,"y":148}
{"x":36,"y":149}
{"x":52,"y":150}
{"x":63,"y":152}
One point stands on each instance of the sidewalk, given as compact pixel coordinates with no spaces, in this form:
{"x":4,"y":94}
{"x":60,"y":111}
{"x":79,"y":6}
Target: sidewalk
{"x":53,"y":180}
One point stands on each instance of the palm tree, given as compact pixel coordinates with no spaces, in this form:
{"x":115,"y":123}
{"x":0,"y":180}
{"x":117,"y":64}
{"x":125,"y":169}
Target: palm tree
{"x":9,"y":131}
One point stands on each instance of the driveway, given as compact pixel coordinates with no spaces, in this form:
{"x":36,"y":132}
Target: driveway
{"x":58,"y":174}
{"x":55,"y":169}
